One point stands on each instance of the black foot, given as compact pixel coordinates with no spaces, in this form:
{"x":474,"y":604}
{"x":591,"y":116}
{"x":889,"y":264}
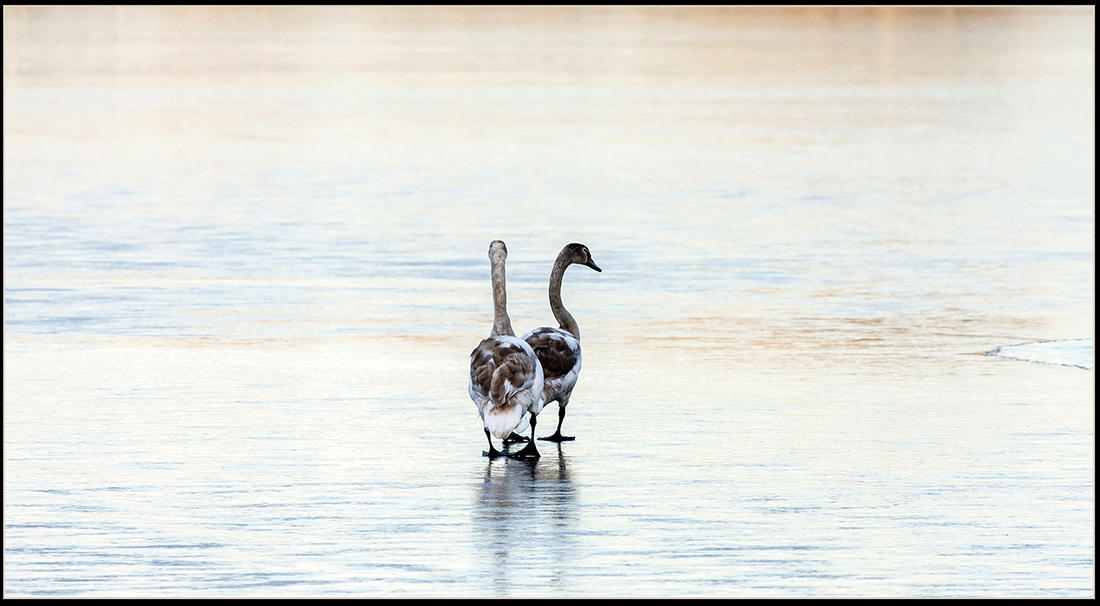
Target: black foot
{"x":492,"y":453}
{"x":527,"y":452}
{"x":514,"y":438}
{"x":557,"y":437}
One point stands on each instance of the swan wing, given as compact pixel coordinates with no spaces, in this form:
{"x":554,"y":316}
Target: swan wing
{"x":558,"y":351}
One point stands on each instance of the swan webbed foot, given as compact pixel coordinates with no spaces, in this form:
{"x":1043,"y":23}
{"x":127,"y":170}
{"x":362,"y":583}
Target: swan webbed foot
{"x":527,"y":452}
{"x":515,"y":438}
{"x":492,"y":453}
{"x":557,"y":437}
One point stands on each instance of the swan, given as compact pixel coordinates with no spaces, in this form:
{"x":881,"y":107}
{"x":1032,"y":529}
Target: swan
{"x":559,"y":349}
{"x":506,"y":379}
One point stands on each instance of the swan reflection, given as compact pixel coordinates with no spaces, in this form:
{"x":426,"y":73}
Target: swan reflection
{"x":526,"y":514}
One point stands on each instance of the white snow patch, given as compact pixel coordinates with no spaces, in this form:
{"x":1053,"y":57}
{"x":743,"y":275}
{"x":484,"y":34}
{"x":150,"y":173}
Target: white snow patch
{"x":1074,"y":352}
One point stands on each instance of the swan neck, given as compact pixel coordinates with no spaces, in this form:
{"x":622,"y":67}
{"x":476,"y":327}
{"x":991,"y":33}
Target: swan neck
{"x":502,"y":324}
{"x":561,"y":314}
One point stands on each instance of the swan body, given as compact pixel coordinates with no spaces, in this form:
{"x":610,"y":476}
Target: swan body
{"x":506,"y":377}
{"x":559,"y":349}
{"x":560,"y":354}
{"x":506,"y":384}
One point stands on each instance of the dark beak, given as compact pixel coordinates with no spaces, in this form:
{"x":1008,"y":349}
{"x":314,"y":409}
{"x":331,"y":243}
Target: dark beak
{"x":593,"y":265}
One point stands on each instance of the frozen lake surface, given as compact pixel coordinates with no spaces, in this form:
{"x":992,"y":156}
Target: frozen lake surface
{"x":245,"y":265}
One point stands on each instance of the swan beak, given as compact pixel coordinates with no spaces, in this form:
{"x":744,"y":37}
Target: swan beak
{"x":593,"y":265}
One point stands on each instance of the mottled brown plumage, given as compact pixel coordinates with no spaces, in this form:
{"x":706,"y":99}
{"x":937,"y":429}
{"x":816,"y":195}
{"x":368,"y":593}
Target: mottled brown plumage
{"x":498,"y":368}
{"x":557,"y":358}
{"x":482,"y":366}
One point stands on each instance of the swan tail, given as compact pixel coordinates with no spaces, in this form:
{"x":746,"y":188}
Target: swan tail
{"x":502,"y":420}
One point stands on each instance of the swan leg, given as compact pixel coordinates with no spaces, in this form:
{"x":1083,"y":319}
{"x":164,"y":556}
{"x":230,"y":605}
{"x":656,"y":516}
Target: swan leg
{"x":514,"y":437}
{"x":493,"y":452}
{"x":557,"y":437}
{"x":529,"y":451}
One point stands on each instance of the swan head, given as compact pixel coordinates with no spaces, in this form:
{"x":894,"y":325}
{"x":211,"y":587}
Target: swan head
{"x":497,"y":250}
{"x":579,"y":254}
